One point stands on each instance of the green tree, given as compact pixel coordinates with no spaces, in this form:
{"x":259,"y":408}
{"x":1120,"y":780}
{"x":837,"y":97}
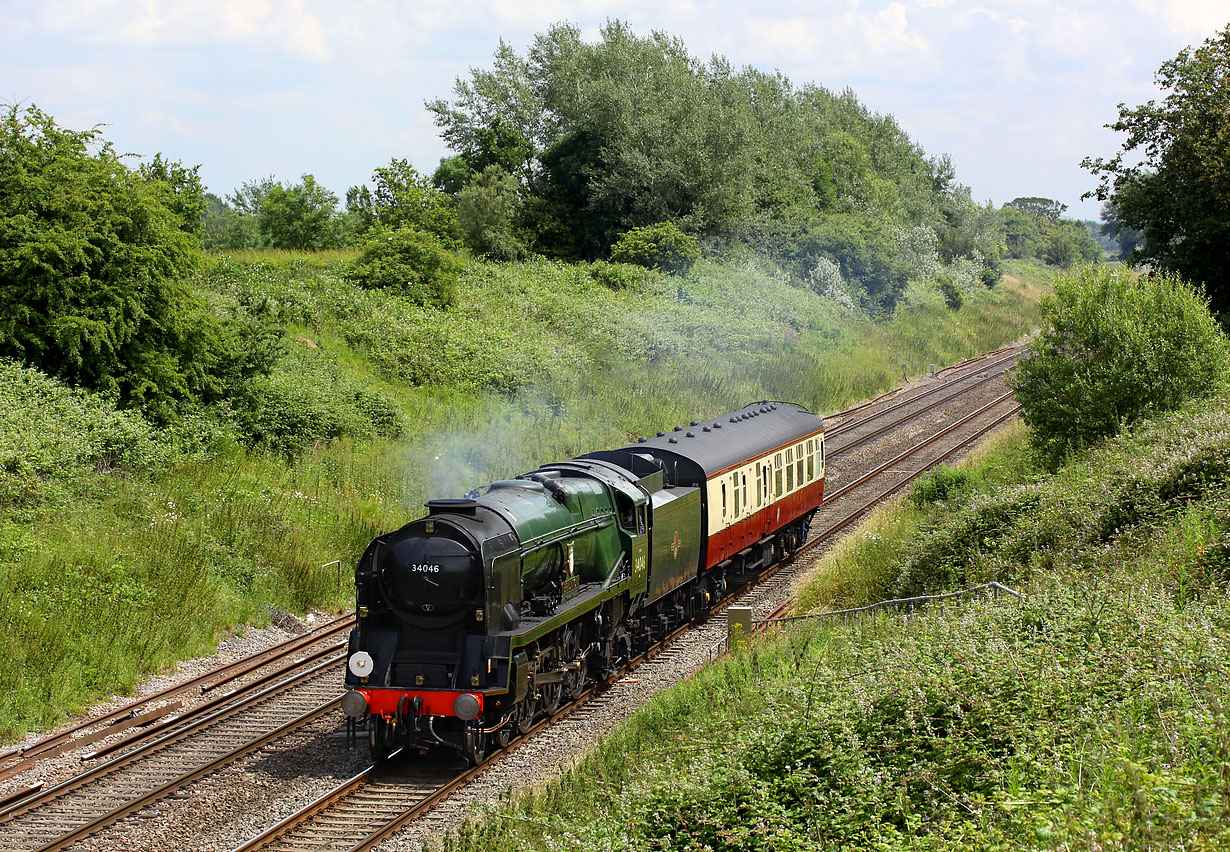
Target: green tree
{"x":1043,"y":208}
{"x":182,"y":191}
{"x":1113,"y":228}
{"x":1116,"y":347}
{"x":224,"y":228}
{"x":404,"y":198}
{"x":93,"y":262}
{"x":487,"y":210}
{"x":1171,"y":180}
{"x":301,"y":217}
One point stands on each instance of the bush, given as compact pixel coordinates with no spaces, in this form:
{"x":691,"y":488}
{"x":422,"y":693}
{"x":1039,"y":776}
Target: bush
{"x":93,"y":263}
{"x":1116,"y":347}
{"x":49,"y":431}
{"x":409,"y":262}
{"x":953,"y":297}
{"x":939,"y":485}
{"x":620,"y":276}
{"x":304,"y":403}
{"x":661,"y":246}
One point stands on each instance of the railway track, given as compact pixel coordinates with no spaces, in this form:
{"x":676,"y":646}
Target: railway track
{"x":359,"y":813}
{"x":366,"y":810}
{"x":60,"y":816}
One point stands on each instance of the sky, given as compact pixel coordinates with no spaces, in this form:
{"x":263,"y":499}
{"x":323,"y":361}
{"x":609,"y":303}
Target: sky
{"x":1017,"y":93}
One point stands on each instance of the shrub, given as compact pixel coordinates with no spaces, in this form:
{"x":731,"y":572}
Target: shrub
{"x":49,"y":431}
{"x":93,"y":259}
{"x":619,"y":276}
{"x":992,"y":271}
{"x":953,"y":297}
{"x":303,"y":404}
{"x":938,"y":485}
{"x":1115,"y":348}
{"x":662,"y":246}
{"x":409,"y":262}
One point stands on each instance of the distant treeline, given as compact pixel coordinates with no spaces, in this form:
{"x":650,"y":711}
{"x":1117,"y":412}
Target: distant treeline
{"x":562,"y":151}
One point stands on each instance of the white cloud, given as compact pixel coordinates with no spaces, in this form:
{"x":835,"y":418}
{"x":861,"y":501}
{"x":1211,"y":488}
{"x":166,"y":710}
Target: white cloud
{"x":280,"y":26}
{"x":1196,"y":20}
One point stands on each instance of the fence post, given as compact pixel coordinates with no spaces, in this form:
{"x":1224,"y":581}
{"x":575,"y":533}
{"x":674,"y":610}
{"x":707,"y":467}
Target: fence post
{"x":738,"y":625}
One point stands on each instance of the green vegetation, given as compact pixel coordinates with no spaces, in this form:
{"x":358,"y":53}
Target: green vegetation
{"x":1171,"y":181}
{"x":409,"y":262}
{"x":193,"y":439}
{"x":1089,"y":715}
{"x":1035,"y":227}
{"x":160,"y":537}
{"x":1114,"y":348}
{"x":661,"y":246}
{"x":94,"y":259}
{"x":608,"y":138}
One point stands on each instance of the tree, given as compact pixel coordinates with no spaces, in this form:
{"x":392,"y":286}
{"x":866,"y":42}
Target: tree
{"x":487,"y":210}
{"x":93,"y":263}
{"x":1116,"y":347}
{"x":1125,"y":238}
{"x":301,"y":217}
{"x":182,"y":191}
{"x":1045,"y":208}
{"x":403,"y":198}
{"x":1176,"y":189}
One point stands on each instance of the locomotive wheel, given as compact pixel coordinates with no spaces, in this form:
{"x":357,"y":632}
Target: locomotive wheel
{"x":504,"y":735}
{"x":570,"y":649}
{"x":550,"y":695}
{"x":476,"y":743}
{"x":379,"y":737}
{"x":523,"y":716}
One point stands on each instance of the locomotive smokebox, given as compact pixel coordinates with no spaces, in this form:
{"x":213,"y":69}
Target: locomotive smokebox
{"x":431,"y":576}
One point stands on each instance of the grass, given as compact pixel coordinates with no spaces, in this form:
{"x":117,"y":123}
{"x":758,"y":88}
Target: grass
{"x":124,"y":548}
{"x":1090,"y":715}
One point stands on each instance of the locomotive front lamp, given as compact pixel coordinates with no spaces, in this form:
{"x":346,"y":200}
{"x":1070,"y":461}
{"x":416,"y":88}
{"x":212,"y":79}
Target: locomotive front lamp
{"x":361,"y":664}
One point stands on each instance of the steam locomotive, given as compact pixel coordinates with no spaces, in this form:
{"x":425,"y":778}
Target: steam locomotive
{"x":489,"y":613}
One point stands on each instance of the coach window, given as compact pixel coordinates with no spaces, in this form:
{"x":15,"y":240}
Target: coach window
{"x":777,"y":474}
{"x":744,"y":489}
{"x":723,"y":501}
{"x":811,"y":460}
{"x":790,"y":469}
{"x":799,"y":463}
{"x":738,"y":505}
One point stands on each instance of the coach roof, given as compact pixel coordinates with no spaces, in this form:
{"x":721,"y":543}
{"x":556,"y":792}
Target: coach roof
{"x":724,"y":442}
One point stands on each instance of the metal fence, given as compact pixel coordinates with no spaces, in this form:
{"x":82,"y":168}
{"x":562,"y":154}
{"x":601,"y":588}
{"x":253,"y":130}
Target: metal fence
{"x":740,"y":626}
